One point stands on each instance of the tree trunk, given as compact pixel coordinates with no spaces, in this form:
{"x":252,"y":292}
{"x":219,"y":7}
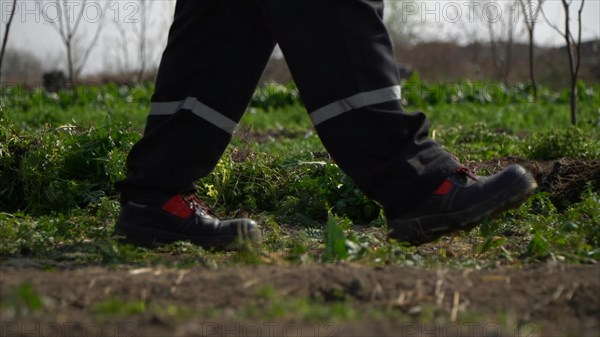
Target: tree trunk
{"x":572,"y":66}
{"x":4,"y":42}
{"x":532,"y":66}
{"x":70,"y":65}
{"x":574,"y":100}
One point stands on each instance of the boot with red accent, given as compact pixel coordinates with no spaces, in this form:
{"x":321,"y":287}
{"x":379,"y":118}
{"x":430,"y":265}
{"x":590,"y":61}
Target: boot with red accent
{"x":461,"y":202}
{"x":183,"y":218}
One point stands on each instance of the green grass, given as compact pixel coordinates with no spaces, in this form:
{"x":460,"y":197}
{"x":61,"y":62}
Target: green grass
{"x":119,"y":308}
{"x":22,"y":300}
{"x":61,"y":153}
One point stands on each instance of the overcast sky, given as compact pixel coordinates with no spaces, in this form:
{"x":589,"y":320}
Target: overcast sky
{"x":430,"y":19}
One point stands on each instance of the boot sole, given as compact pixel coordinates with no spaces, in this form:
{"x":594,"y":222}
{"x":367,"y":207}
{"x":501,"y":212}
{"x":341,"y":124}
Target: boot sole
{"x":431,"y":227}
{"x":149,"y":237}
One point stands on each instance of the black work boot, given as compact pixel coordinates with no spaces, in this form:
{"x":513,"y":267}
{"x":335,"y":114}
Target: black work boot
{"x":461,"y":202}
{"x":183,"y":218}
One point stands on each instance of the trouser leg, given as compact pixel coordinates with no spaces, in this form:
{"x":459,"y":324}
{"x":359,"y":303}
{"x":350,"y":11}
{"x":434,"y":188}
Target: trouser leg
{"x":215,"y":55}
{"x":341,"y":58}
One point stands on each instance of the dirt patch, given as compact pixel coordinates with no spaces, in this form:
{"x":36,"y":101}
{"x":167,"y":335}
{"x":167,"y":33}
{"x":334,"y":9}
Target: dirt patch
{"x":542,"y":300}
{"x":564,"y":179}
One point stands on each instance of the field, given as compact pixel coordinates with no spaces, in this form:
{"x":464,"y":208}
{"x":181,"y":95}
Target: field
{"x":325,"y":268}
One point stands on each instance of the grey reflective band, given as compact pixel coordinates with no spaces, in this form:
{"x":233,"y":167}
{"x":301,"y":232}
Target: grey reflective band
{"x":197,"y":108}
{"x":357,"y":101}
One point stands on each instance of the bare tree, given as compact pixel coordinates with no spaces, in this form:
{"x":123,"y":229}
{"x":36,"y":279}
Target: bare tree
{"x":501,"y":31}
{"x":135,"y":53}
{"x":5,"y":40}
{"x":167,"y":10}
{"x":67,"y":23}
{"x":141,"y":32}
{"x":573,"y":50}
{"x":123,"y":43}
{"x":531,"y":10}
{"x":473,"y":37}
{"x":402,"y":20}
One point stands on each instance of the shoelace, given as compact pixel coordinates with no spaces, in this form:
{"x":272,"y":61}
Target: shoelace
{"x":463,"y":170}
{"x":198,"y":206}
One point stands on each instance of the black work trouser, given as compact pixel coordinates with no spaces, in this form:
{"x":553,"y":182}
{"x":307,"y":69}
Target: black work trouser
{"x":341,"y":58}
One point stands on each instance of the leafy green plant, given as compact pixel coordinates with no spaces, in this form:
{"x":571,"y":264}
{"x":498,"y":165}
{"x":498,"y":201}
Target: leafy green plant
{"x":335,"y":241}
{"x":478,"y":141}
{"x":23,"y":300}
{"x":572,"y":143}
{"x":58,"y":169}
{"x":273,"y":96}
{"x":584,"y":218}
{"x":61,"y":153}
{"x":538,"y":247}
{"x":493,"y":239}
{"x":117,"y":307}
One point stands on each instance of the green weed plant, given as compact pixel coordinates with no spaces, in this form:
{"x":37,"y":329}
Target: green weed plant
{"x":61,"y":153}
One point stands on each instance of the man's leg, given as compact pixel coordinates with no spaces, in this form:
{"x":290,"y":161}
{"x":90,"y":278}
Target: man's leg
{"x":341,"y":57}
{"x":215,"y":55}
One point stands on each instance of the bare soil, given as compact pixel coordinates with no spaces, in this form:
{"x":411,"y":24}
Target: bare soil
{"x":538,"y":300}
{"x":564,"y":179}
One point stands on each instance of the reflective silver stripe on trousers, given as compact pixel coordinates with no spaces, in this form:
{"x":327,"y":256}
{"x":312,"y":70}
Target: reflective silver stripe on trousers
{"x":197,"y":108}
{"x":357,"y":101}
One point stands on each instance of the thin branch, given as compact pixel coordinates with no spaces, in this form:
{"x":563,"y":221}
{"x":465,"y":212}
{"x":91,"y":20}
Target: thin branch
{"x":531,"y":21}
{"x":64,"y":17}
{"x":552,"y":25}
{"x":579,"y":38}
{"x":8,"y":24}
{"x":123,"y":57}
{"x":528,"y":24}
{"x":56,"y":26}
{"x":79,"y":17}
{"x":87,"y":53}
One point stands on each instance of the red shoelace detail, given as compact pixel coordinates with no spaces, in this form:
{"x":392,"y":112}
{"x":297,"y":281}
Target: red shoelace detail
{"x":446,"y":186}
{"x":198,"y":205}
{"x":184,"y":206}
{"x":465,"y":171}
